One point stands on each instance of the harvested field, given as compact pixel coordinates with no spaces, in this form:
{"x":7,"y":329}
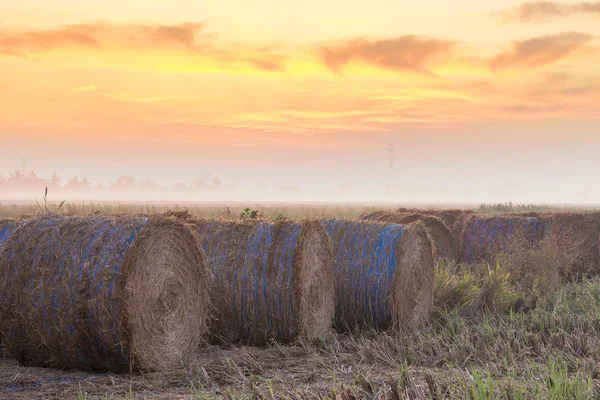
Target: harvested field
{"x":515,"y":330}
{"x":443,"y":240}
{"x":384,"y":274}
{"x":273,"y":281}
{"x":103,"y":293}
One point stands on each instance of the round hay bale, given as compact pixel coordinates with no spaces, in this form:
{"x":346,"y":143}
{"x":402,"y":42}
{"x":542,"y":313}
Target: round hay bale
{"x":7,"y":227}
{"x":385,"y":274}
{"x":104,"y":293}
{"x":579,"y":234}
{"x":273,"y":281}
{"x":443,"y":240}
{"x":450,"y":217}
{"x":484,"y":237}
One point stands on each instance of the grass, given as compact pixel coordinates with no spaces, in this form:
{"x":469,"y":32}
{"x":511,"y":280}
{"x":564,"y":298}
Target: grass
{"x":270,"y":212}
{"x":511,"y":330}
{"x":502,"y":208}
{"x":477,"y":346}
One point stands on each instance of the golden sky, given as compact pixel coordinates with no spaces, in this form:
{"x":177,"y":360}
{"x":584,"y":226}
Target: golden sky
{"x":106,"y":87}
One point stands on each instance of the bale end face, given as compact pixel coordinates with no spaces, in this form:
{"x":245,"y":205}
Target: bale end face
{"x":166,"y":295}
{"x":413,"y":285}
{"x":315,"y":282}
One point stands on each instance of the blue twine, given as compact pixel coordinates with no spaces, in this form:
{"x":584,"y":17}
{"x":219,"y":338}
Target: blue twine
{"x":253,"y":288}
{"x":365,"y":257}
{"x":287,"y":253}
{"x":364,"y":272}
{"x":268,"y":240}
{"x":92,"y":244}
{"x":483,"y":233}
{"x":5,"y":234}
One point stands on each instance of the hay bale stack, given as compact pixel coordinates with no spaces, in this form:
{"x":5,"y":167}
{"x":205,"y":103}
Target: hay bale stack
{"x":579,"y":234}
{"x":109,"y":293}
{"x":273,"y":281}
{"x":384,"y":272}
{"x":484,"y":237}
{"x":443,"y":240}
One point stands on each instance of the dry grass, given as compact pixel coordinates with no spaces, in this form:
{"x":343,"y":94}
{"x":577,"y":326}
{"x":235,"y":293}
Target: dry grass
{"x":512,"y":330}
{"x":229,"y":212}
{"x":551,"y":351}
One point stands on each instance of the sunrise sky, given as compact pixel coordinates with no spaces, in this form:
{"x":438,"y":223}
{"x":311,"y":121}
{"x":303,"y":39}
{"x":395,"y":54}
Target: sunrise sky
{"x":483,"y":100}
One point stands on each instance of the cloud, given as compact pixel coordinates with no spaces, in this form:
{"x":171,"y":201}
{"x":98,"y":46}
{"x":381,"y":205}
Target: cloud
{"x":540,"y":51}
{"x":403,"y":53}
{"x":102,"y":36}
{"x":86,"y":88}
{"x":544,"y":10}
{"x":533,"y":109}
{"x":273,"y":65}
{"x":137,"y":98}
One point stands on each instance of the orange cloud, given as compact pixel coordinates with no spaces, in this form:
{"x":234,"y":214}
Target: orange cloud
{"x":540,"y":51}
{"x":543,"y":10}
{"x":102,"y":36}
{"x":407,"y":53}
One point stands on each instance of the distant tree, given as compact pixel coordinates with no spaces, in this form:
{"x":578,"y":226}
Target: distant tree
{"x":55,"y":181}
{"x":76,"y":185}
{"x":17,"y":178}
{"x":180,"y":187}
{"x":149,"y":185}
{"x":123,"y":184}
{"x":4,"y":184}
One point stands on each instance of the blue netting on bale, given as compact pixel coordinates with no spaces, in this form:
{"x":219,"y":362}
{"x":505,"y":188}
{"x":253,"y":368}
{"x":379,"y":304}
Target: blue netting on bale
{"x":254,"y":281}
{"x":61,"y":279}
{"x":7,"y":227}
{"x":366,"y":260}
{"x":440,"y":234}
{"x":483,"y":238}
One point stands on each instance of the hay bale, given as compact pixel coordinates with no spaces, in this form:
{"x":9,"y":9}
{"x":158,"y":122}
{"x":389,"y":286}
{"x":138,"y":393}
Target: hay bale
{"x":385,"y":274}
{"x":443,"y":240}
{"x":273,"y":281}
{"x":484,"y":237}
{"x":450,"y":217}
{"x":7,"y":227}
{"x":579,"y":234}
{"x":105,"y":293}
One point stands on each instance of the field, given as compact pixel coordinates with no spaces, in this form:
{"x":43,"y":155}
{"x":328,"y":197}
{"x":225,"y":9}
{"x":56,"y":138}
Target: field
{"x":496,"y":332}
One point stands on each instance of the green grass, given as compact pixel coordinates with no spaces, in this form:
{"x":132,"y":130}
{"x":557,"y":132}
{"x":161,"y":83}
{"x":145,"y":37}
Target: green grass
{"x":474,"y":348}
{"x":497,"y":332}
